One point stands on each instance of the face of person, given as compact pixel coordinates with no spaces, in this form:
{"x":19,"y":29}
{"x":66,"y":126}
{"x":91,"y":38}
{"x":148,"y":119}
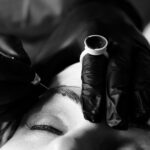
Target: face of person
{"x":57,"y":122}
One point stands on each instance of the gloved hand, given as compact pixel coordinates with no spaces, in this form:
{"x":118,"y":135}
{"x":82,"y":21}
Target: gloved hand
{"x":18,"y":90}
{"x":127,"y":79}
{"x":128,"y":72}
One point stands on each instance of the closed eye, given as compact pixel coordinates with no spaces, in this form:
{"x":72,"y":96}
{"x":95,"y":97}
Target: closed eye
{"x":47,"y":128}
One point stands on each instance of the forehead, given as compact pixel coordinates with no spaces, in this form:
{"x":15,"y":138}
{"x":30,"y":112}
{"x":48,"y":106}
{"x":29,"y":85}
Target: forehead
{"x":58,"y":102}
{"x":70,"y":76}
{"x":71,"y":92}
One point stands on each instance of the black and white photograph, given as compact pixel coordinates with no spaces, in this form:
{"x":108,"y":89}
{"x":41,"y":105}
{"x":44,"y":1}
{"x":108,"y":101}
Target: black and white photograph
{"x":74,"y":74}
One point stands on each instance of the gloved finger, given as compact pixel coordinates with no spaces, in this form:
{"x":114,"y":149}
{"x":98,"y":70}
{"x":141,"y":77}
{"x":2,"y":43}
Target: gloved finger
{"x":141,"y":81}
{"x":93,"y":80}
{"x":11,"y":47}
{"x":15,"y":70}
{"x":17,"y":79}
{"x":14,"y":62}
{"x":118,"y":84}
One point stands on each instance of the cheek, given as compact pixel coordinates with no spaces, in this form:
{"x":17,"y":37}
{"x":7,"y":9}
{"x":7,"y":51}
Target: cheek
{"x":19,"y":145}
{"x":25,"y":139}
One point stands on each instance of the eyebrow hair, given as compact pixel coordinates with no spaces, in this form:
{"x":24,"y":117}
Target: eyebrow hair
{"x":64,"y":91}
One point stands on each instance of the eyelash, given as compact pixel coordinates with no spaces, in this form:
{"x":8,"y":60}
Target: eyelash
{"x":47,"y":128}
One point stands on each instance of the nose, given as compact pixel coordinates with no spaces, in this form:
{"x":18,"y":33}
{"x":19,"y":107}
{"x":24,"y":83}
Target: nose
{"x":83,"y":137}
{"x":64,"y":143}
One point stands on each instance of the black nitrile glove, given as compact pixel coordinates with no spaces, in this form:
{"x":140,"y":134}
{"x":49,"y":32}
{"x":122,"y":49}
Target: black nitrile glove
{"x":128,"y":68}
{"x":128,"y":72}
{"x":93,"y":93}
{"x":18,"y":90}
{"x":128,"y":80}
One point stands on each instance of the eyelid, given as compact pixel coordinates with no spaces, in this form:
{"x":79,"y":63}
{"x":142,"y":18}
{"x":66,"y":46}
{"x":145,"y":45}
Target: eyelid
{"x":45,"y":127}
{"x":47,"y":118}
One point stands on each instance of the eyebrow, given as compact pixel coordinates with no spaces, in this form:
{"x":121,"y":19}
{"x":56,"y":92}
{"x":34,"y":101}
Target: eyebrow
{"x":65,"y":91}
